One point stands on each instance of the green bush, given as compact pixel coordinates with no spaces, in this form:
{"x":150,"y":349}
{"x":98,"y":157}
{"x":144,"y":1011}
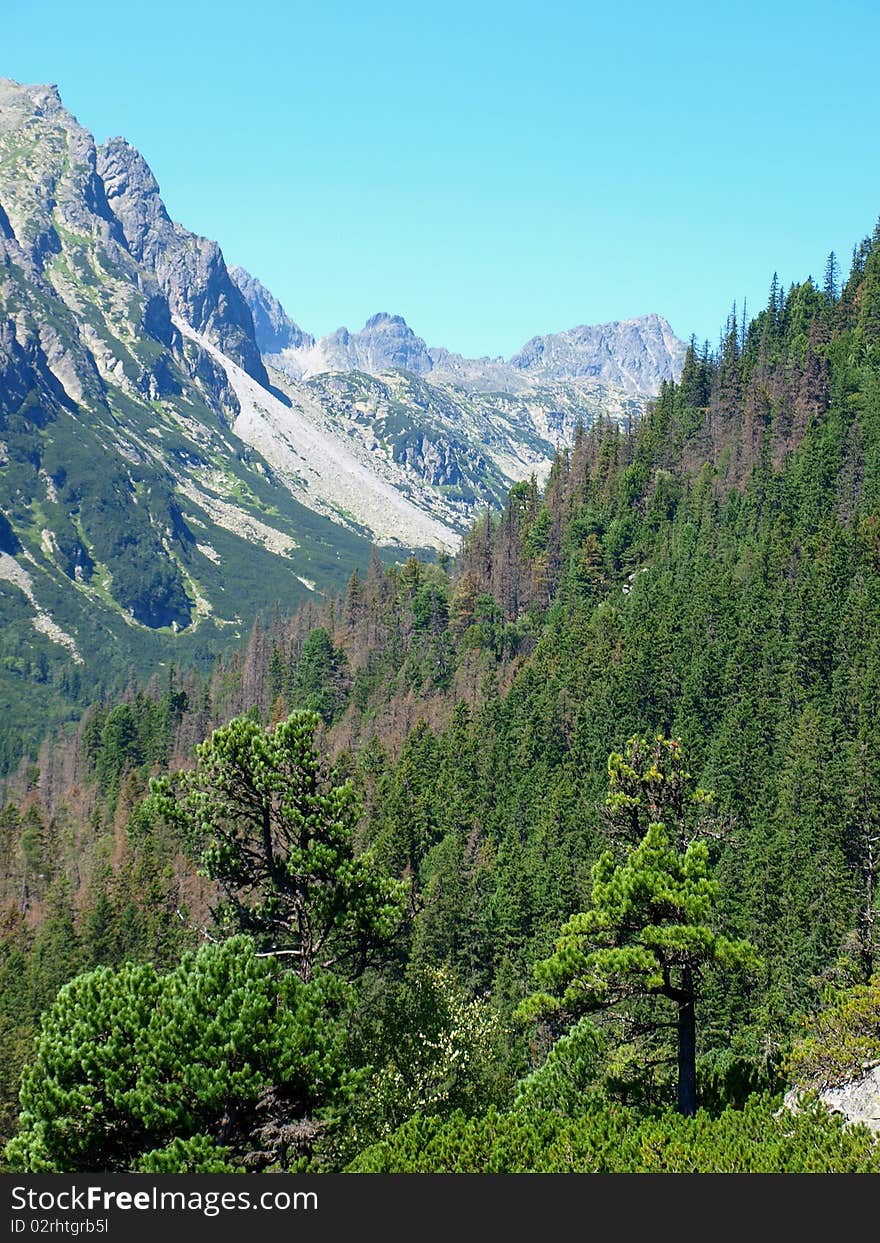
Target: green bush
{"x":227,"y":1060}
{"x":761,"y":1139}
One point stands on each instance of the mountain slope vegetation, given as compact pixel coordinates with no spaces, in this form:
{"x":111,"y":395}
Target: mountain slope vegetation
{"x":158,"y":486}
{"x":713,"y":577}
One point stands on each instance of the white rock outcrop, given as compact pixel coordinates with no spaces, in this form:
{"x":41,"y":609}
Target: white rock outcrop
{"x":858,"y":1100}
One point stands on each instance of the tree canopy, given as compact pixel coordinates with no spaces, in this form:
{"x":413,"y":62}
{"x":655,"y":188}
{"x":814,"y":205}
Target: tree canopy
{"x":273,"y":828}
{"x":225,"y":1062}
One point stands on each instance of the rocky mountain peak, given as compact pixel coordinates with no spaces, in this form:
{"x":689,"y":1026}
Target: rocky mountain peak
{"x":190,"y":269}
{"x":49,"y":176}
{"x":123,"y":163}
{"x":275,"y":330}
{"x":133,"y":196}
{"x":19,"y":102}
{"x":382,"y":318}
{"x":386,"y":342}
{"x":637,"y":354}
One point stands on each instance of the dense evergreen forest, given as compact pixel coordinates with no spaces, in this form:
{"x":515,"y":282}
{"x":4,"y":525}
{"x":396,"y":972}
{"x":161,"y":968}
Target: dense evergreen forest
{"x":447,"y":930}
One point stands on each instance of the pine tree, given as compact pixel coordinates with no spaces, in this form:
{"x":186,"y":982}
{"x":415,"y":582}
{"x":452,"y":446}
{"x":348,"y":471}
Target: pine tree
{"x":221,"y":1064}
{"x":831,"y":286}
{"x":277,"y":834}
{"x":650,"y":930}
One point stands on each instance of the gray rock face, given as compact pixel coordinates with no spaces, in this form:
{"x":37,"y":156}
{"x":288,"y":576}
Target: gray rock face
{"x":857,"y":1100}
{"x":190,"y":269}
{"x":638,"y":354}
{"x":477,"y":375}
{"x":60,"y":241}
{"x":388,"y":341}
{"x":275,"y":330}
{"x":436,"y":460}
{"x":49,"y":178}
{"x":634,"y":355}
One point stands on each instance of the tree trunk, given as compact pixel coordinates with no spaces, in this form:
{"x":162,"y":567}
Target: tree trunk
{"x":687,"y":1051}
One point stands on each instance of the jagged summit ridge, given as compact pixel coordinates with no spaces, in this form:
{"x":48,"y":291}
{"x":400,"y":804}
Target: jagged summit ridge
{"x":190,"y":269}
{"x":386,"y":342}
{"x":635,"y":354}
{"x":19,"y":100}
{"x":275,"y":331}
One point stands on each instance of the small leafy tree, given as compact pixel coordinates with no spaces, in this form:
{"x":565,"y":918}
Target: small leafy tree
{"x":430,"y":1047}
{"x":271,"y":826}
{"x":649,"y":932}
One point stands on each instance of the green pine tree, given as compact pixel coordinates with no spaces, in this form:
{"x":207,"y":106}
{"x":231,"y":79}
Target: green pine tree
{"x":270,"y":825}
{"x":650,"y":930}
{"x":226,"y":1062}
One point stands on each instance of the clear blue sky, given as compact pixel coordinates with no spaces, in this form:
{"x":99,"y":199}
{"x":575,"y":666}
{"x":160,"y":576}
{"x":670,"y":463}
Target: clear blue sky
{"x":489,"y":170}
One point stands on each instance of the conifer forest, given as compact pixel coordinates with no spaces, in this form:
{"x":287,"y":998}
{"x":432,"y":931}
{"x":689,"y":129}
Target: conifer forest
{"x":560,"y":853}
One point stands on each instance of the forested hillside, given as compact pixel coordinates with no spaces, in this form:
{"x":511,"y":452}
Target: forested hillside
{"x":709,"y":583}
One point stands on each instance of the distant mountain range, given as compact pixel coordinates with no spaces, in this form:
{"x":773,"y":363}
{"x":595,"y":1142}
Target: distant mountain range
{"x":635,"y":355}
{"x":177,"y":454}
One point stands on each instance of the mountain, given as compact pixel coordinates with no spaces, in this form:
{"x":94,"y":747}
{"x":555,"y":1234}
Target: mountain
{"x":639,"y":354}
{"x":190,"y":270}
{"x":178,"y":454}
{"x":636,"y":355}
{"x":453,"y":433}
{"x":138,"y":524}
{"x":450,"y":450}
{"x":385,"y":342}
{"x":274,"y":330}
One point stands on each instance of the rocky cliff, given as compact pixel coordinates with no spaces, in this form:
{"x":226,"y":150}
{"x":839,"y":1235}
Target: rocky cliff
{"x":274,"y":330}
{"x":189,"y":269}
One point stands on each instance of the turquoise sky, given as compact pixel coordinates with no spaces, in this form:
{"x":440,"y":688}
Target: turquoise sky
{"x":488,"y":170}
